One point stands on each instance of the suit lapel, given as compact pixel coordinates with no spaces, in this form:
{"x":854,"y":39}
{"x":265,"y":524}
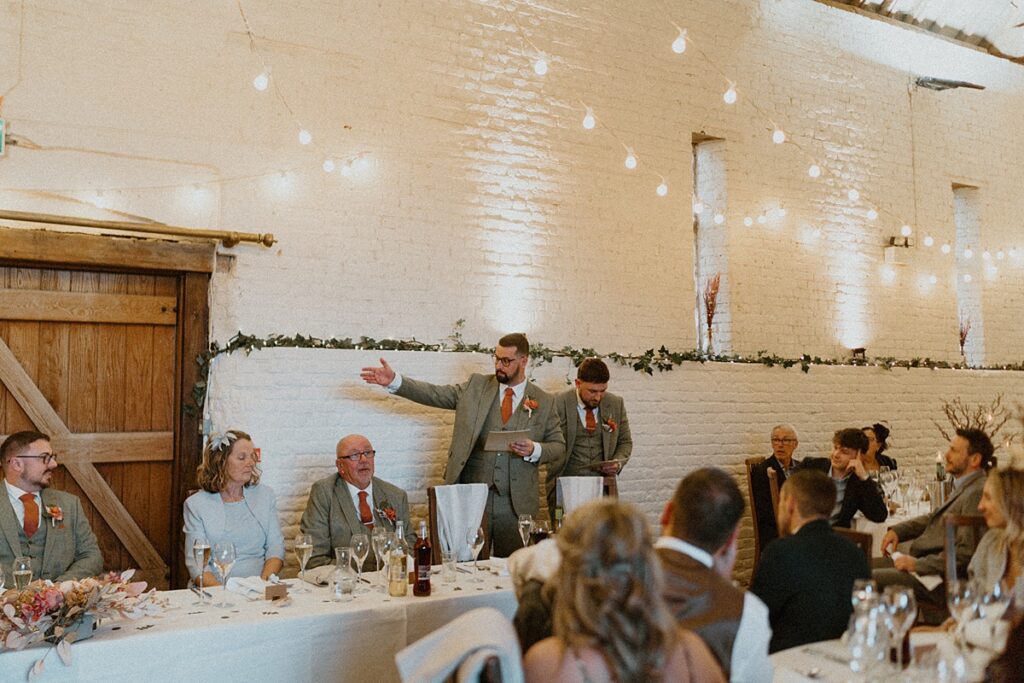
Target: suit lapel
{"x":956,"y":494}
{"x":51,"y":533}
{"x":606,"y":434}
{"x":572,"y":422}
{"x":9,"y":523}
{"x":488,"y":396}
{"x":341,"y":494}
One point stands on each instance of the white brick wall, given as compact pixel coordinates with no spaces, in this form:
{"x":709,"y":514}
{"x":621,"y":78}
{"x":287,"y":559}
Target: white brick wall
{"x":486,"y":200}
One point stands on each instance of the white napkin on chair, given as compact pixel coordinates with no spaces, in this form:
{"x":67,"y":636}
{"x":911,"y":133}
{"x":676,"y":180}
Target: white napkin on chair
{"x":575,"y":491}
{"x":460,"y":507}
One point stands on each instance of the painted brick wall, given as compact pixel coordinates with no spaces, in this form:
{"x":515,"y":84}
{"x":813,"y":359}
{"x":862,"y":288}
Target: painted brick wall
{"x":484,"y":199}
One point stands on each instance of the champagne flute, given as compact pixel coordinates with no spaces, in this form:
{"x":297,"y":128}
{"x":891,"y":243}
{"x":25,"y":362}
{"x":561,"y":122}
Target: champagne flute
{"x":475,"y":539}
{"x":902,"y":607}
{"x":360,"y":549}
{"x":379,"y":540}
{"x":303,"y":549}
{"x":224,"y":557}
{"x":21,"y":570}
{"x":201,"y":553}
{"x":960,"y":598}
{"x":993,"y":604}
{"x":525,"y":523}
{"x":3,"y":579}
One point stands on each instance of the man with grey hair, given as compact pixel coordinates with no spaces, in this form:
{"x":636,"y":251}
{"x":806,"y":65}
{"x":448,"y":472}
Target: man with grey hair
{"x":784,"y":443}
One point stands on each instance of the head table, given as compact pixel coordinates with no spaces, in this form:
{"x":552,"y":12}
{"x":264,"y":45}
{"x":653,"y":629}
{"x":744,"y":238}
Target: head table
{"x":310,"y":639}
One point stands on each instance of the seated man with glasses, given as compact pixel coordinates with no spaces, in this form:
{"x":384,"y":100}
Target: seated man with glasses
{"x":352,"y":501}
{"x":854,"y":489}
{"x":784,"y":442}
{"x":37,"y":522}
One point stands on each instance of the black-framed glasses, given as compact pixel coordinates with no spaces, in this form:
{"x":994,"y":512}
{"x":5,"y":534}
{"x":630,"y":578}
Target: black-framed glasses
{"x":47,"y":458}
{"x":354,"y":457}
{"x":505,"y":362}
{"x":787,"y":440}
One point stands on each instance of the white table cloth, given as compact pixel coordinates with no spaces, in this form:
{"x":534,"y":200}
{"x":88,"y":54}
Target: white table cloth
{"x":878,"y":529}
{"x":312,"y":639}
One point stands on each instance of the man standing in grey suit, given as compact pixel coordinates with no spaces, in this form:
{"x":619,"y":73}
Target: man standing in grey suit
{"x":922,"y":539}
{"x":352,"y":501}
{"x":45,"y":525}
{"x":595,"y":428}
{"x":504,"y":401}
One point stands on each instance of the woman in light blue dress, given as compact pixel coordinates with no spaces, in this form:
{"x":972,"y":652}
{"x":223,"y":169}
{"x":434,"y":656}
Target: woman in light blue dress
{"x":233,"y":506}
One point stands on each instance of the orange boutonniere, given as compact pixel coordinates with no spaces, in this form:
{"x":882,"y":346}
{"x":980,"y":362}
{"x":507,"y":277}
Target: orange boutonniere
{"x":610,"y":425}
{"x":56,"y":515}
{"x":530,"y":406}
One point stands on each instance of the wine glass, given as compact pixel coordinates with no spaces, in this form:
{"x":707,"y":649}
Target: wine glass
{"x":201,"y":553}
{"x":21,"y":570}
{"x":864,"y":591}
{"x":379,"y":539}
{"x":525,"y":524}
{"x":960,"y":598}
{"x":992,"y":605}
{"x":360,"y":549}
{"x":475,"y":539}
{"x":902,"y":607}
{"x":224,"y":557}
{"x":303,"y":549}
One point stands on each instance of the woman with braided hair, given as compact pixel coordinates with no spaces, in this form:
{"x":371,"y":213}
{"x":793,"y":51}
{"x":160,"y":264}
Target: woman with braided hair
{"x":609,"y":620}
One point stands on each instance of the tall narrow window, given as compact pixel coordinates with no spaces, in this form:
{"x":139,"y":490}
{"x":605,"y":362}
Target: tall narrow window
{"x":710,"y":260}
{"x":966,"y":214}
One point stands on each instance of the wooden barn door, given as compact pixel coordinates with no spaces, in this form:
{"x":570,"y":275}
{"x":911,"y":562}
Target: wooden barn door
{"x":96,"y":359}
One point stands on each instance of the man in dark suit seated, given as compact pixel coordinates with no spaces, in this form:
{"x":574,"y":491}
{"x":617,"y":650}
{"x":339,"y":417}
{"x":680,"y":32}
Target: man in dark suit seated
{"x":854,"y":489}
{"x":806,"y":578}
{"x":784,"y":442}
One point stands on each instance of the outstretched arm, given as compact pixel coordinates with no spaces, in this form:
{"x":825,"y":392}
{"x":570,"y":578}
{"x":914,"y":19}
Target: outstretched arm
{"x":382,"y":375}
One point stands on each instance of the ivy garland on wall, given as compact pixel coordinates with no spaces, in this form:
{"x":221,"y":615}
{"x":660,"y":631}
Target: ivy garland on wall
{"x":662,"y":359}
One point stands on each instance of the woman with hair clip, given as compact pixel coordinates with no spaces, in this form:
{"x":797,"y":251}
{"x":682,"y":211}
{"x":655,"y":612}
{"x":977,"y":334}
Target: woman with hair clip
{"x":233,"y":506}
{"x":610,"y":623}
{"x":874,"y":459}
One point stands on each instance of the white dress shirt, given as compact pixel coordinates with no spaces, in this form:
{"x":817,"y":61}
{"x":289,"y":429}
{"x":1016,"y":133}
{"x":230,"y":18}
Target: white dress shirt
{"x":518,"y":391}
{"x":750,"y":663}
{"x":15,"y":494}
{"x":582,"y":411}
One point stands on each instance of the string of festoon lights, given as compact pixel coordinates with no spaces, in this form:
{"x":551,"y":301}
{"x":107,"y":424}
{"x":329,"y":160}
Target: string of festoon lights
{"x":817,"y":170}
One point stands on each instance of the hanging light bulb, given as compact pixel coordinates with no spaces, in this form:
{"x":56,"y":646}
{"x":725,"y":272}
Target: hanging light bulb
{"x":662,"y":189}
{"x":698,"y":207}
{"x":967,"y":277}
{"x":932,"y":279}
{"x":540,"y":67}
{"x":630,"y":159}
{"x":329,"y":165}
{"x":987,"y":255}
{"x":679,"y":44}
{"x":929,"y":240}
{"x":778,"y":136}
{"x":906,"y":230}
{"x":361,"y":164}
{"x":730,"y":95}
{"x":261,"y":82}
{"x":872,"y":214}
{"x":780,"y":212}
{"x":814,"y":171}
{"x":346,"y":170}
{"x":588,"y":120}
{"x":719,"y":219}
{"x":853,"y":195}
{"x":762,"y":219}
{"x":946,"y":248}
{"x":748,"y":221}
{"x":1000,"y":255}
{"x":305,"y":137}
{"x":888,"y":274}
{"x":968,"y":253}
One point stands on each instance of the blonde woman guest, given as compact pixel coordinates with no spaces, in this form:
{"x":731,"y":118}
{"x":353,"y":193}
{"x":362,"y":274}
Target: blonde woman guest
{"x":610,"y":623}
{"x":234,"y":506}
{"x":1001,"y":550}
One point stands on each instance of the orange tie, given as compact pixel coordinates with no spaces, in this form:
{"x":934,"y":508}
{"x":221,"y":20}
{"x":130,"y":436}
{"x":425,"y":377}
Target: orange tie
{"x":506,"y":406}
{"x":31,"y":514}
{"x":365,"y":516}
{"x":591,"y":422}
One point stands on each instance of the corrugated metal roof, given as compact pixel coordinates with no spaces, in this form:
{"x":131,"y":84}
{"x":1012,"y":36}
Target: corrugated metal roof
{"x":996,"y":26}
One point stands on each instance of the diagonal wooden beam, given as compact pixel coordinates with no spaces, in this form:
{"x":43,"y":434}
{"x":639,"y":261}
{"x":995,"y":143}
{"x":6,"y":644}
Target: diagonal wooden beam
{"x":113,"y":447}
{"x":114,"y":513}
{"x":27,"y":394}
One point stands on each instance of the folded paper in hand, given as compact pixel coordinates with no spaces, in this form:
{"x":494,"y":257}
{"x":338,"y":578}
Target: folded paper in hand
{"x":501,"y":441}
{"x":929,"y":581}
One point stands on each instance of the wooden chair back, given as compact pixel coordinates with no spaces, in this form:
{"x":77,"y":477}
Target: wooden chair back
{"x":861,"y":539}
{"x":491,"y":673}
{"x":773,"y":486}
{"x":435,"y":537}
{"x":952,"y":524}
{"x":611,"y":486}
{"x":749,"y":464}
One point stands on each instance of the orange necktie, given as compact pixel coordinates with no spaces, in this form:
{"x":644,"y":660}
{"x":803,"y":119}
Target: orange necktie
{"x":506,"y":406}
{"x":591,"y":422}
{"x":31,"y":514}
{"x":365,"y":516}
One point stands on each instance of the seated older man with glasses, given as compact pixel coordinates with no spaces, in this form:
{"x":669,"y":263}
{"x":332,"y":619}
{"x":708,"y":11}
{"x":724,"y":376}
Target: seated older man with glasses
{"x":353,"y":501}
{"x":46,"y":527}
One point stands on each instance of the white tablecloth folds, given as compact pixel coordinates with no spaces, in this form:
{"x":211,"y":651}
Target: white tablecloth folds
{"x":575,"y":491}
{"x":464,"y":644}
{"x":460,"y":507}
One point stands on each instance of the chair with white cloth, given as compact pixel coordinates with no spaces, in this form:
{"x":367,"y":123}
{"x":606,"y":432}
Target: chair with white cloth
{"x":454,"y":510}
{"x":463,"y":649}
{"x":572,"y":492}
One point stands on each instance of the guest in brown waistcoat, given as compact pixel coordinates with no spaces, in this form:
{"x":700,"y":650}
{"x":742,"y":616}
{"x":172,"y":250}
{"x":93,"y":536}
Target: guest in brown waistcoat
{"x":700,"y":527}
